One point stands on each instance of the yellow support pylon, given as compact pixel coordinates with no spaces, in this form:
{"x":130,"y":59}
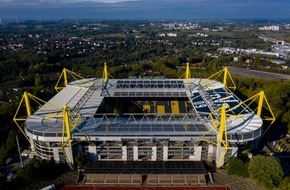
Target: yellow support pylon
{"x":186,"y":74}
{"x":27,"y":103}
{"x":19,"y":119}
{"x":226,"y":75}
{"x":222,"y":126}
{"x":66,"y":127}
{"x":105,"y":75}
{"x":66,"y":121}
{"x":222,"y":136}
{"x":261,"y":101}
{"x":65,"y":75}
{"x":219,"y":127}
{"x":260,"y":105}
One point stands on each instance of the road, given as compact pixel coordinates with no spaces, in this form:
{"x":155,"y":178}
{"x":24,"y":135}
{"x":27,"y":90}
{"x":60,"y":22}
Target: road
{"x":256,"y":74}
{"x":271,"y":40}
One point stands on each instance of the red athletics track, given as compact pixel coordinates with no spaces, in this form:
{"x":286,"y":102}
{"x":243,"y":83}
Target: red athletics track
{"x":67,"y":187}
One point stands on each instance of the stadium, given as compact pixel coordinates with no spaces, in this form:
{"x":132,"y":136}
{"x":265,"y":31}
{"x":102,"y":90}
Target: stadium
{"x":143,"y":119}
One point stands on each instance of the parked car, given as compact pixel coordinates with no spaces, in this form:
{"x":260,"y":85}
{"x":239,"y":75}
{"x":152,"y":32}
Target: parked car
{"x":49,"y":187}
{"x":10,"y":176}
{"x":8,"y":160}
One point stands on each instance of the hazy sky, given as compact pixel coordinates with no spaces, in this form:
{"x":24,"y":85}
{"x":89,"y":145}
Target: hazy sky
{"x":144,"y":9}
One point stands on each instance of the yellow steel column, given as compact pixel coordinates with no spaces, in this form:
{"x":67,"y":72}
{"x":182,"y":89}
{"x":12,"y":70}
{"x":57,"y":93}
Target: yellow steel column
{"x":65,"y":77}
{"x":66,"y":121}
{"x":222,"y":147}
{"x":64,"y":146}
{"x":27,"y":103}
{"x":105,"y":74}
{"x":225,"y":76}
{"x":187,"y":71}
{"x":222,"y":124}
{"x":260,"y":105}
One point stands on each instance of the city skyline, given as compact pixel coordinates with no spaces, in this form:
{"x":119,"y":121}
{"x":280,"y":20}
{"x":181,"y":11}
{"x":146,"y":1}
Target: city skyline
{"x":143,"y":9}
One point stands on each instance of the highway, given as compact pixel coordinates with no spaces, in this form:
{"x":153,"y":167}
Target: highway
{"x":257,"y":74}
{"x":271,"y":40}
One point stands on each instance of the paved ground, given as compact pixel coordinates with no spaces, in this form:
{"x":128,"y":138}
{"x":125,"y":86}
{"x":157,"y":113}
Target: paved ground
{"x":236,"y":183}
{"x":142,"y":188}
{"x":221,"y":181}
{"x":256,"y":74}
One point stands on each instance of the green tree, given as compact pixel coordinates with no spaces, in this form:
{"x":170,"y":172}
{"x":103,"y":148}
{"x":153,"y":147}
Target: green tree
{"x":266,"y":170}
{"x":236,"y":166}
{"x":37,"y":81}
{"x":3,"y":154}
{"x":2,"y":181}
{"x":285,"y":184}
{"x":81,"y":159}
{"x":26,"y":175}
{"x":11,"y":141}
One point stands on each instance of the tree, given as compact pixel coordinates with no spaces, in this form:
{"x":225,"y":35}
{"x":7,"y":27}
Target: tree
{"x":81,"y":159}
{"x":285,"y":184}
{"x":11,"y":141}
{"x":3,"y":154}
{"x":236,"y":166}
{"x":2,"y":181}
{"x":28,"y":174}
{"x":266,"y":170}
{"x":37,"y":80}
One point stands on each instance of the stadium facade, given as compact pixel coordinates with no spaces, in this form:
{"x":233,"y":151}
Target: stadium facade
{"x":190,"y":119}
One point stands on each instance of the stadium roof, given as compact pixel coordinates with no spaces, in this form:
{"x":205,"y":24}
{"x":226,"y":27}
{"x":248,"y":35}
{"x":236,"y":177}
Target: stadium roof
{"x":83,"y":100}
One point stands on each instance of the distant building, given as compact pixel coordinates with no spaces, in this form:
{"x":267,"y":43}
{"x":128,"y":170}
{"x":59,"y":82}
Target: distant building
{"x":249,"y":61}
{"x":284,"y":67}
{"x":171,"y":25}
{"x":281,"y":43}
{"x":270,"y":28}
{"x":231,"y":50}
{"x":171,"y":34}
{"x":278,"y":61}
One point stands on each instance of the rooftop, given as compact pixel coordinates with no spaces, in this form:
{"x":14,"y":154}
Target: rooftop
{"x":83,"y":101}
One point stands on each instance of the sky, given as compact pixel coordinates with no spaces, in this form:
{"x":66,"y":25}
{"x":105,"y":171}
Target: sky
{"x":144,"y":9}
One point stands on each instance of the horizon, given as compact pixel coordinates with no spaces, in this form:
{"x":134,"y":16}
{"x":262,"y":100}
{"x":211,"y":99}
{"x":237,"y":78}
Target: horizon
{"x":143,"y":10}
